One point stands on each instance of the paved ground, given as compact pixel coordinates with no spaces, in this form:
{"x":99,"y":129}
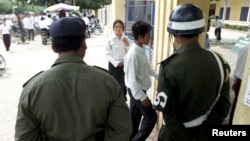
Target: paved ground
{"x":25,"y":60}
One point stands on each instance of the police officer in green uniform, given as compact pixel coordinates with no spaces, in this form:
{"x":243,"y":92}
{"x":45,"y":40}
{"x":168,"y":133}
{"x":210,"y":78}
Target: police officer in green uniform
{"x":72,"y":101}
{"x":193,"y":85}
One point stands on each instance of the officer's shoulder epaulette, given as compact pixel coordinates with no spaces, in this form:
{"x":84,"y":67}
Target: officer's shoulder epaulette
{"x":32,"y":78}
{"x":103,"y":69}
{"x":165,"y":61}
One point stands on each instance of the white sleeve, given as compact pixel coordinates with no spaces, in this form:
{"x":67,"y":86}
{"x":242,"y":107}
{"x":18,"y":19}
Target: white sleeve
{"x":131,"y":71}
{"x":241,"y":62}
{"x":108,"y":54}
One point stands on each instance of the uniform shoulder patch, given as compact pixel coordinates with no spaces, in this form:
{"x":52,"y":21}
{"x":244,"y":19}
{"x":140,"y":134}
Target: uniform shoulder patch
{"x":168,"y":59}
{"x":32,"y":78}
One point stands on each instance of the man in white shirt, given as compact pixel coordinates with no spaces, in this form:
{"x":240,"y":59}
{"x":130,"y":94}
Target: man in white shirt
{"x":137,"y":79}
{"x":86,"y":19}
{"x":238,"y":76}
{"x":217,"y":31}
{"x":44,"y":26}
{"x":29,"y":24}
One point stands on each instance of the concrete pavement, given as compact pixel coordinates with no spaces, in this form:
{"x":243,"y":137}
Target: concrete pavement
{"x":25,"y":60}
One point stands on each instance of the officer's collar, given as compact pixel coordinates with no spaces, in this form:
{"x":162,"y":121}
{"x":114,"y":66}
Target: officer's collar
{"x":187,"y":47}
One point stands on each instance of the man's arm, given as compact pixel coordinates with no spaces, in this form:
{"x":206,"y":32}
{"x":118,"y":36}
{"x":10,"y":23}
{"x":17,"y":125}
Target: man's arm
{"x":119,"y":119}
{"x":27,"y":127}
{"x":166,"y":102}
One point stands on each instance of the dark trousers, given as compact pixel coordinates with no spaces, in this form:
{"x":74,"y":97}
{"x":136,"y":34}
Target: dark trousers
{"x":217,"y":33}
{"x":31,"y":34}
{"x":45,"y":30}
{"x":118,"y":74}
{"x":6,"y":41}
{"x":141,"y":132}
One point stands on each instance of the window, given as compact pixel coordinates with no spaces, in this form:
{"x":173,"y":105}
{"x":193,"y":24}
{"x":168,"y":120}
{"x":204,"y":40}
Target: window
{"x":243,"y":13}
{"x":138,"y":10}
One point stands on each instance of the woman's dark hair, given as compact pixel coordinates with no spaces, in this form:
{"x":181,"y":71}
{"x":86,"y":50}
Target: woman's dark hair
{"x":118,"y":21}
{"x":140,"y":28}
{"x":63,"y":44}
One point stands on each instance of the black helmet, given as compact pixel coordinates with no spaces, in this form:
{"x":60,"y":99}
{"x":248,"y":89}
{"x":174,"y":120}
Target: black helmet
{"x":186,"y":19}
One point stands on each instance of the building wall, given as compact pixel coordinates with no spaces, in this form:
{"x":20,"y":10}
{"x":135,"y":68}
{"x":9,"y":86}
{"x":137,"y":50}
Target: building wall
{"x":235,"y":10}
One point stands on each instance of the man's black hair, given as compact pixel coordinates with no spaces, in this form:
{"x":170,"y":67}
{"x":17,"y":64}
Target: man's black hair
{"x":140,"y":28}
{"x":63,"y":44}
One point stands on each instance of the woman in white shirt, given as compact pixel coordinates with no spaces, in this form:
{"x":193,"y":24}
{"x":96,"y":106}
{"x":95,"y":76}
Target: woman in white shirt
{"x":116,"y":48}
{"x":5,"y":31}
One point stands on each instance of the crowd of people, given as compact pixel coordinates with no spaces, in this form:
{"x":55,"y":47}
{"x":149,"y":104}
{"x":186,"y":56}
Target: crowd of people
{"x":75,"y":101}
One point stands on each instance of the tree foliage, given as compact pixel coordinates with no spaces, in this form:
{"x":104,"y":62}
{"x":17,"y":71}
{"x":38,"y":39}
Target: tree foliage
{"x":5,"y":6}
{"x":84,"y":4}
{"x":92,"y":4}
{"x":40,"y":5}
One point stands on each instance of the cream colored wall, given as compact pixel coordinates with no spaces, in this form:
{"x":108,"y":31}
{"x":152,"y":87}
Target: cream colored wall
{"x":218,"y":5}
{"x":235,"y":10}
{"x":115,"y":11}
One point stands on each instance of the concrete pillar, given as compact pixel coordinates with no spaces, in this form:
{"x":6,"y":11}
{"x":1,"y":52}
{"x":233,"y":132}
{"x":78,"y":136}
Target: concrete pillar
{"x":115,"y":11}
{"x":242,"y":111}
{"x":163,"y":44}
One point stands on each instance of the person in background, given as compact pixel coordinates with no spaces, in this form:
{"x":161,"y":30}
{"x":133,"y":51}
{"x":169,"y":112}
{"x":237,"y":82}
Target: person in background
{"x":86,"y":19}
{"x":137,"y":79}
{"x":29,"y":25}
{"x":238,"y":76}
{"x":218,"y":26}
{"x":116,"y":48}
{"x":207,"y":46}
{"x":193,"y":86}
{"x":87,"y":22}
{"x":49,"y":20}
{"x":5,"y":32}
{"x":44,"y":27}
{"x":72,"y":100}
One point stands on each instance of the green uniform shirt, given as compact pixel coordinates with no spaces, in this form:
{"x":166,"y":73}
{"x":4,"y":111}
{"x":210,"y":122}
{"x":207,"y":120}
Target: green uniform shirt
{"x":188,"y":84}
{"x":72,"y":102}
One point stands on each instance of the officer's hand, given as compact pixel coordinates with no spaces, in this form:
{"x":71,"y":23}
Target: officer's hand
{"x":146,"y":102}
{"x":125,"y":41}
{"x":120,"y":64}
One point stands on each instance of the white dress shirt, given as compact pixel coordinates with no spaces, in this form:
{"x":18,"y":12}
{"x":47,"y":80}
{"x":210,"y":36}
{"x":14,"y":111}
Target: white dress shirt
{"x":218,"y":23}
{"x":241,"y":61}
{"x":137,"y":72}
{"x":29,"y":22}
{"x":5,"y":29}
{"x":116,"y":50}
{"x":43,"y":24}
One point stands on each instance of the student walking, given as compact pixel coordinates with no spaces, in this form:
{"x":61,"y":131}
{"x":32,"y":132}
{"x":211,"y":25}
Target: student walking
{"x":5,"y":31}
{"x":218,"y":26}
{"x":137,"y":79}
